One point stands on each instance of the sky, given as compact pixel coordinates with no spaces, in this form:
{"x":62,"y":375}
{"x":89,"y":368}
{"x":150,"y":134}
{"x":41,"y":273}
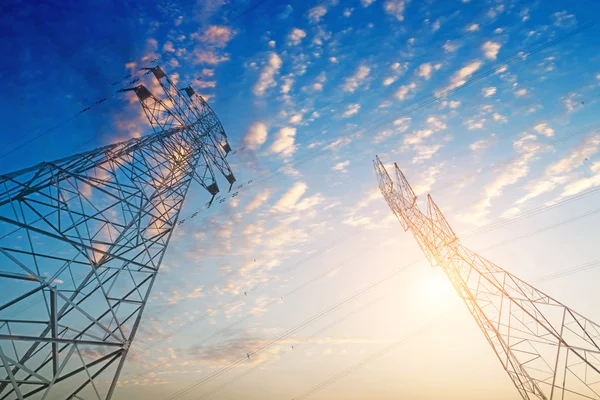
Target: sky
{"x":464,"y":95}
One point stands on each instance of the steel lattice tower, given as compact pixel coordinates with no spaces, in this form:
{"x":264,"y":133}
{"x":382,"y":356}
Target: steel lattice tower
{"x":548,"y":350}
{"x":81,"y":242}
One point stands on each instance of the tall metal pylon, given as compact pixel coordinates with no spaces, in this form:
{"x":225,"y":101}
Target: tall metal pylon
{"x":549,"y":351}
{"x":81,"y":242}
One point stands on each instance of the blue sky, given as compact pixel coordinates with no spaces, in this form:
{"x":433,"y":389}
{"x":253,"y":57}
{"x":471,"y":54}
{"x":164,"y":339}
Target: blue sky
{"x":292,"y":82}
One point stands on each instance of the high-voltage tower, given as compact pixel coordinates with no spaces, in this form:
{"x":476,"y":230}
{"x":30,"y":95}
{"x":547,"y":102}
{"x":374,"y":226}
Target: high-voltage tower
{"x":81,"y":242}
{"x":548,"y":350}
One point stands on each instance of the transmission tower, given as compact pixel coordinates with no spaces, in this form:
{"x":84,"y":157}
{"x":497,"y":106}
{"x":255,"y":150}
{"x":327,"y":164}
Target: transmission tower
{"x":81,"y":242}
{"x":548,"y":350}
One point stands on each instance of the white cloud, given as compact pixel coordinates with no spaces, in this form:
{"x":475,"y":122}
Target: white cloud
{"x":315,"y":14}
{"x":288,"y":201}
{"x":490,"y":49}
{"x":272,"y":43}
{"x":472,"y":28}
{"x":460,"y":77}
{"x":258,"y":201}
{"x":354,"y":81}
{"x":296,"y":36}
{"x":333,"y":60}
{"x":216,"y":35}
{"x":473,"y":123}
{"x":395,"y":8}
{"x":366,"y":3}
{"x":256,"y":135}
{"x":521,"y":92}
{"x":499,"y":118}
{"x":544,"y":129}
{"x":563,"y":19}
{"x":557,"y":173}
{"x":266,"y":79}
{"x":570,"y":101}
{"x":489,"y":91}
{"x":288,"y":82}
{"x":341,"y":166}
{"x":424,"y":70}
{"x":284,"y":142}
{"x":404,"y":90}
{"x":351,"y":109}
{"x":480,"y":144}
{"x":449,"y":46}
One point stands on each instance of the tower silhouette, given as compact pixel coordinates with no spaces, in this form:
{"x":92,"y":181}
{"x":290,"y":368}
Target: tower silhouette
{"x":82,"y":240}
{"x":548,"y":350}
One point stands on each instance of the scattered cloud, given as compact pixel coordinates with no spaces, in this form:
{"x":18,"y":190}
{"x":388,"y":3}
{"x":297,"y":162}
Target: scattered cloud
{"x":258,"y":201}
{"x":351,"y":109}
{"x":256,"y":135}
{"x":357,"y":79}
{"x":266,"y":79}
{"x":544,"y":129}
{"x":288,"y":201}
{"x":490,"y":49}
{"x":521,"y":92}
{"x":395,"y":8}
{"x":284,"y":142}
{"x":317,"y":13}
{"x":404,"y":91}
{"x":472,"y":28}
{"x":296,"y":36}
{"x":216,"y":35}
{"x":489,"y":91}
{"x":341,"y":166}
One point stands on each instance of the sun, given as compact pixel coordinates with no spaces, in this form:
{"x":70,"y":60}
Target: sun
{"x":437,"y":289}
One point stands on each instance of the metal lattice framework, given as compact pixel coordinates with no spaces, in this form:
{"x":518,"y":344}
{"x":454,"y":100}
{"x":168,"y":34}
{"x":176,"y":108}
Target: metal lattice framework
{"x":548,"y":350}
{"x":81,"y":243}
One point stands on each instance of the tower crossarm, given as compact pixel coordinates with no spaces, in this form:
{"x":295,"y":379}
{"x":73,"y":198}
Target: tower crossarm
{"x":207,"y":124}
{"x":81,"y":242}
{"x":548,"y":350}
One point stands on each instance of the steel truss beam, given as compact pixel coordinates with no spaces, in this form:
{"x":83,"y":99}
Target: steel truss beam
{"x":548,"y":350}
{"x":81,"y":242}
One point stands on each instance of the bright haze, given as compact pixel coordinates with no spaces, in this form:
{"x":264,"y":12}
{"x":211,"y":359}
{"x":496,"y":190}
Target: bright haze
{"x":489,"y":105}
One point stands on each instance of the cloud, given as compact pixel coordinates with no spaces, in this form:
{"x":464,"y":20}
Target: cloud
{"x":489,"y":91}
{"x":460,"y":76}
{"x":266,"y":79}
{"x":428,"y":179}
{"x":357,"y":79}
{"x":526,"y":146}
{"x":258,"y":201}
{"x":557,"y":173}
{"x":217,"y":35}
{"x":288,"y":201}
{"x":570,"y":101}
{"x":544,"y":129}
{"x":450,"y":47}
{"x":315,"y":14}
{"x":404,"y":90}
{"x":424,"y":71}
{"x":395,"y":8}
{"x":521,"y":92}
{"x":351,"y":109}
{"x":490,"y":49}
{"x":296,"y":36}
{"x":480,"y":144}
{"x":256,"y":135}
{"x":563,"y":19}
{"x":341,"y":166}
{"x":284,"y":142}
{"x":366,"y":3}
{"x":472,"y":28}
{"x":208,"y":56}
